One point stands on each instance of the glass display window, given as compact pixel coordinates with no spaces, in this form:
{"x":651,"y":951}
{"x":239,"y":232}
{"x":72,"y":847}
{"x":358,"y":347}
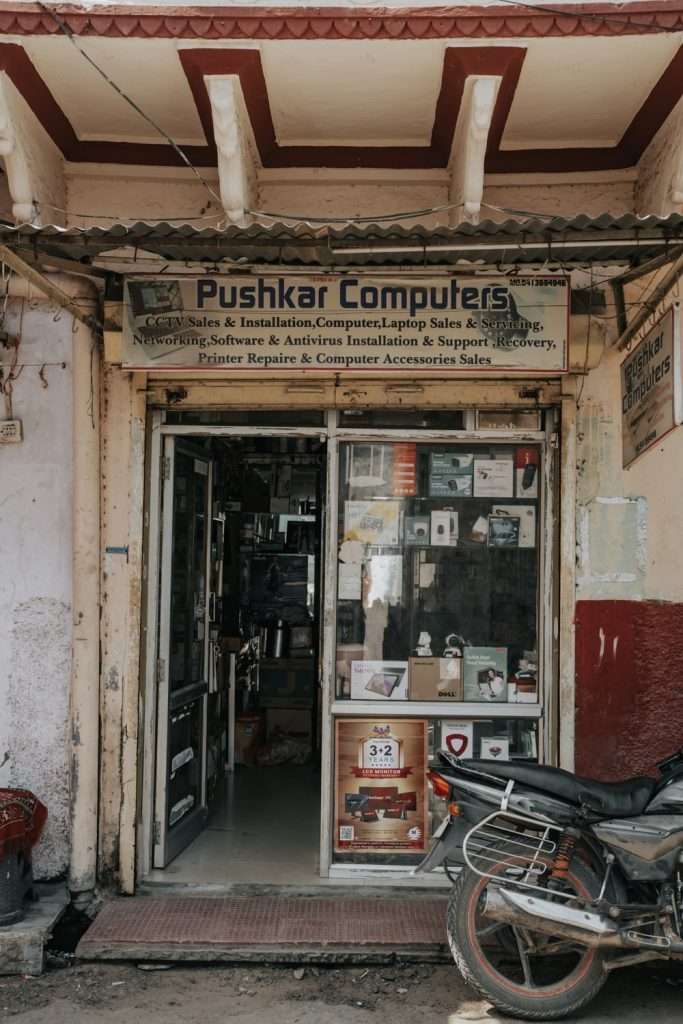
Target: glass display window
{"x":493,"y":739}
{"x":438,"y":573}
{"x":385,"y":809}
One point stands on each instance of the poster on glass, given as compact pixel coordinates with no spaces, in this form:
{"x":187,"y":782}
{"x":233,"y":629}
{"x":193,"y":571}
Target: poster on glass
{"x":380,"y":804}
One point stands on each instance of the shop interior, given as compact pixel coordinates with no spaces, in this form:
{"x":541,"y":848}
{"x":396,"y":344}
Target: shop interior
{"x":241,"y":749}
{"x":437,"y":608}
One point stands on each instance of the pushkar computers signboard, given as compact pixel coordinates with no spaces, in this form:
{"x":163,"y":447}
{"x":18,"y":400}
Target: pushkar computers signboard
{"x":651,"y":387}
{"x":347,"y":322}
{"x":381,"y":798}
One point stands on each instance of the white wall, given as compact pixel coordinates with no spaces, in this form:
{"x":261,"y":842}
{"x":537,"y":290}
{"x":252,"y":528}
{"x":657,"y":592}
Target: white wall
{"x":107,"y":193}
{"x":629,"y":521}
{"x":35,"y":570}
{"x":659,"y":189}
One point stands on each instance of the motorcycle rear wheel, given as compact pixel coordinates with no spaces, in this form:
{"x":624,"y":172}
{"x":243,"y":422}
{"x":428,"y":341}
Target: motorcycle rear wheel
{"x":479,"y":962}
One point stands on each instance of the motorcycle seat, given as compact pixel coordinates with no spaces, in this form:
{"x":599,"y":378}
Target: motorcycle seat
{"x":607,"y":799}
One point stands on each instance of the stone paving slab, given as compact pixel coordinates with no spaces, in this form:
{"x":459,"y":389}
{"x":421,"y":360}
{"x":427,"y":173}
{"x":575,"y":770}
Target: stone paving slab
{"x":22,"y":944}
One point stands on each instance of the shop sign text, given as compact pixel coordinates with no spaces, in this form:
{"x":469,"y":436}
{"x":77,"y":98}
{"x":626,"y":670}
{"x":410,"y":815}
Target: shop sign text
{"x":651,"y":387}
{"x":347,"y":323}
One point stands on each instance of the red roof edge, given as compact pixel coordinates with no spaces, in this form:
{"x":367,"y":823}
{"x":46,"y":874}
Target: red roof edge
{"x":300,"y":22}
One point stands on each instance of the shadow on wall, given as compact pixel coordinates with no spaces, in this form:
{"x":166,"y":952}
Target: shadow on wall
{"x":629,"y":692}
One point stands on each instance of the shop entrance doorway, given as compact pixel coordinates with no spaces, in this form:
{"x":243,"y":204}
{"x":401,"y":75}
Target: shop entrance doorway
{"x":266,"y":671}
{"x":238,"y":714}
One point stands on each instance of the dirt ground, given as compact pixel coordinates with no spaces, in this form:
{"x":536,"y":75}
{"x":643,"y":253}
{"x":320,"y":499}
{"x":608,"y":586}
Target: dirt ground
{"x":401,"y":994}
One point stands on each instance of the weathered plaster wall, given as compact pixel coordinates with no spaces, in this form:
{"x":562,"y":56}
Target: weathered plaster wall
{"x":659,"y":189}
{"x":34,"y":165}
{"x":35,"y":556}
{"x":592,"y":197}
{"x":127,"y":194}
{"x":629,"y":616}
{"x":130,"y":194}
{"x":629,"y":661}
{"x":628,"y":519}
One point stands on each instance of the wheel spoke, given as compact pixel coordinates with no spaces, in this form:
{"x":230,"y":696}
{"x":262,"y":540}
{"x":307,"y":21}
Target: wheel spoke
{"x":491,"y":929}
{"x":524,"y":959}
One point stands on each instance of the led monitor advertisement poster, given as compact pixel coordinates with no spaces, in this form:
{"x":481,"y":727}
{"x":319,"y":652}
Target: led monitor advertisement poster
{"x":381,"y":804}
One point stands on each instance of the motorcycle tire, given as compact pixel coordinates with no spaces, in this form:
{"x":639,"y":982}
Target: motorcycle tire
{"x":545,"y":1002}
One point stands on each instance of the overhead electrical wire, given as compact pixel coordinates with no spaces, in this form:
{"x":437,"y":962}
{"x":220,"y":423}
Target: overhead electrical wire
{"x":66,"y":31}
{"x":594,"y":15}
{"x":309,"y":221}
{"x":264,"y":214}
{"x":119,"y":219}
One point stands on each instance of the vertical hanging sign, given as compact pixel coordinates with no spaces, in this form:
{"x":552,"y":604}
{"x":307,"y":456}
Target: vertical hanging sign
{"x":651,"y":387}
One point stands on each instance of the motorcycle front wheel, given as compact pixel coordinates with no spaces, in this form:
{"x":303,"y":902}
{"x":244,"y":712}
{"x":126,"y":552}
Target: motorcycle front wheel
{"x":524,"y":974}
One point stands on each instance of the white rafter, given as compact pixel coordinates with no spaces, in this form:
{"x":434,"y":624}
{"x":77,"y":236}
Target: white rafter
{"x":33,"y":164}
{"x":469,"y":145}
{"x":236,"y":164}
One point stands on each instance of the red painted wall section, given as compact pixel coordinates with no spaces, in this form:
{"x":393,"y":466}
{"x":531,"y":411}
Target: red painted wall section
{"x":629,"y":686}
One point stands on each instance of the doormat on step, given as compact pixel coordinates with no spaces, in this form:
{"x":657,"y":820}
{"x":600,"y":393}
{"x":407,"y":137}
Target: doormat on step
{"x":275,"y":927}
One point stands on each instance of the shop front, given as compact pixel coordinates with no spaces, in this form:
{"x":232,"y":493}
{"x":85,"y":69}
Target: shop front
{"x":343,"y":573}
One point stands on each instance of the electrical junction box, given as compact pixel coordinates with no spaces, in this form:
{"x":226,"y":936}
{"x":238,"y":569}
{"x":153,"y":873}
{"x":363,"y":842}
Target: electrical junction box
{"x":10,"y":432}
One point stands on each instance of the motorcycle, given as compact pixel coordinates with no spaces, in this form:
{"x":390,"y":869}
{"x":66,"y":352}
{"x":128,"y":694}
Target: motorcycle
{"x":560,"y":880}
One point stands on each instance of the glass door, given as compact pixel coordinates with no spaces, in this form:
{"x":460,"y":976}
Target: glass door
{"x":183,"y":668}
{"x":439,"y":626}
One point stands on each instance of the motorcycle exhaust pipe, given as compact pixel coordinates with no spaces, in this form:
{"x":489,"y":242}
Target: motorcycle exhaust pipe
{"x":539,"y":915}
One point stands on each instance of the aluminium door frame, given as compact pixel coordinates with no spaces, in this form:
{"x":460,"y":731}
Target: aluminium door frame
{"x":158,"y":431}
{"x":164,"y":697}
{"x":333,"y":434}
{"x":545,"y":616}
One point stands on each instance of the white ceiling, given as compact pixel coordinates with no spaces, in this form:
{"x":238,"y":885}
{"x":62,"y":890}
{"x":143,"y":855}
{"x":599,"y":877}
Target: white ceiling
{"x":583,"y":91}
{"x":365,"y":93}
{"x":148,"y":70}
{"x":572,"y":92}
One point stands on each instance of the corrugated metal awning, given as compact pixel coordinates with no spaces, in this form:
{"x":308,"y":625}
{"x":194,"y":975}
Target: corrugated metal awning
{"x":553,"y":241}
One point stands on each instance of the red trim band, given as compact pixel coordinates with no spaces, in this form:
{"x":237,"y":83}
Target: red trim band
{"x":509,"y":22}
{"x":459,"y":63}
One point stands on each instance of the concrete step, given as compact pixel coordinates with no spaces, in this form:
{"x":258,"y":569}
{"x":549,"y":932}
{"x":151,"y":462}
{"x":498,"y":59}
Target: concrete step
{"x":22,"y":944}
{"x":272,"y":928}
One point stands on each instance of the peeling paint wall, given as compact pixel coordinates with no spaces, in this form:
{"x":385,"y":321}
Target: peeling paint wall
{"x":163,"y":193}
{"x":629,"y":663}
{"x":35,"y":555}
{"x":628,"y":520}
{"x":659,"y":189}
{"x":44,"y":162}
{"x":629,"y":614}
{"x":123,"y":409}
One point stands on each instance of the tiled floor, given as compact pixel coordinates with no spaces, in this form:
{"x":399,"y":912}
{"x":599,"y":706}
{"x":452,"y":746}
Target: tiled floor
{"x":265,"y":829}
{"x":170,"y":925}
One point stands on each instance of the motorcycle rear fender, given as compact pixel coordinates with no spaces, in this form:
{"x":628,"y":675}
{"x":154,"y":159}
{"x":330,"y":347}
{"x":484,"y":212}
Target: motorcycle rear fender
{"x":447,"y":847}
{"x":474,"y":790}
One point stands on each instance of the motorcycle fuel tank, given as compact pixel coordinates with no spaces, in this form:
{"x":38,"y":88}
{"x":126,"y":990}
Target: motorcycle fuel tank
{"x":647,"y":848}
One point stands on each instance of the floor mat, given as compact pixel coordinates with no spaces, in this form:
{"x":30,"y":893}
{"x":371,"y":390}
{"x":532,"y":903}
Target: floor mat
{"x":185,"y":927}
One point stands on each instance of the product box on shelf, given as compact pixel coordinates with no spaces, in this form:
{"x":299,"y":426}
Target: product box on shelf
{"x":436,"y":679}
{"x":485,"y":673}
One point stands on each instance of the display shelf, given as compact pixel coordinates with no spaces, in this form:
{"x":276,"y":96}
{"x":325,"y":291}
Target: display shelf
{"x":434,"y":709}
